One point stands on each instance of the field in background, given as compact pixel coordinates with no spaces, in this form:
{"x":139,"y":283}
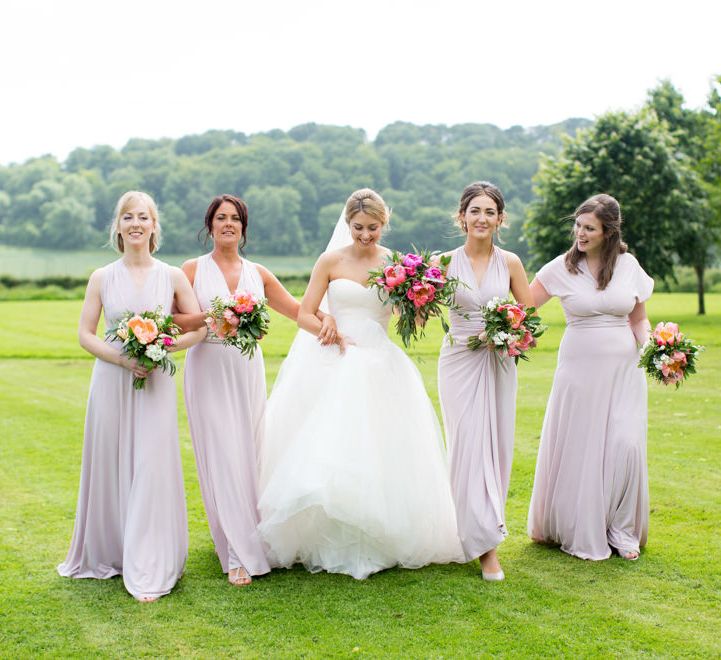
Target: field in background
{"x":666,"y":604}
{"x":36,"y":263}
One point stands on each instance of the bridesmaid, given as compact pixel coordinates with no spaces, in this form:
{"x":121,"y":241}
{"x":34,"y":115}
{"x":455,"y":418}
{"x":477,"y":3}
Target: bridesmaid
{"x":477,"y":391}
{"x":590,"y":493}
{"x":130,"y":516}
{"x":225,"y":392}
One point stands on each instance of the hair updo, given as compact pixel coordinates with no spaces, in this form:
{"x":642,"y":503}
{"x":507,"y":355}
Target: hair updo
{"x":369,"y":202}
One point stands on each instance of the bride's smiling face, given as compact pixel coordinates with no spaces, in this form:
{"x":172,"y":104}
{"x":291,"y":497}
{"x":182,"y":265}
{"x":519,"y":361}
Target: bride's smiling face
{"x":365,"y":230}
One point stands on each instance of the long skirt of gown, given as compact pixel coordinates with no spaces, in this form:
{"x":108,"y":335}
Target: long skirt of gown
{"x":131,"y":517}
{"x":225,"y":398}
{"x":590,"y":491}
{"x":354,"y":474}
{"x":478,"y":400}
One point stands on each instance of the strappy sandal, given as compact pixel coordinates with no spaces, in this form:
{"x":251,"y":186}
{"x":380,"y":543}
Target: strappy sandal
{"x":145,"y":599}
{"x":238,"y":580}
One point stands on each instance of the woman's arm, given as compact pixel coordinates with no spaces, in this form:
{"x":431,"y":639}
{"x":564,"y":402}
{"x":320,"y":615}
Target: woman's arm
{"x":640,"y":325}
{"x":88,"y":327}
{"x":187,"y":304}
{"x":519,"y":280}
{"x":281,"y":300}
{"x":194,"y":320}
{"x":539,"y":293}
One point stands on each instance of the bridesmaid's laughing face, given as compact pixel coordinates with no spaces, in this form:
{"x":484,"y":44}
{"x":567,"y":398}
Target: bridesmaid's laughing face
{"x":481,"y":217}
{"x":136,"y":225}
{"x":589,"y":233}
{"x":365,"y":230}
{"x":227,"y":226}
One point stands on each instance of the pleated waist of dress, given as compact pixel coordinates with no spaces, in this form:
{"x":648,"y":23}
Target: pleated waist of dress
{"x":212,"y":339}
{"x":466,"y":327}
{"x":594,"y":322}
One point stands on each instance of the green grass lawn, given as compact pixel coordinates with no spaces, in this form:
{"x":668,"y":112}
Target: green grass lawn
{"x":666,"y":604}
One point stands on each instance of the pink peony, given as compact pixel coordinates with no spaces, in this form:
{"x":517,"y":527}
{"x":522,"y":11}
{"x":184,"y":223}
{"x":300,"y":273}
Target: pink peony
{"x":435,"y":273}
{"x":513,"y":348}
{"x":394,"y":275}
{"x":514,"y":314}
{"x":421,"y":293}
{"x":527,"y":341}
{"x":231,"y":318}
{"x":411,"y":262}
{"x":245,"y":302}
{"x":666,"y":333}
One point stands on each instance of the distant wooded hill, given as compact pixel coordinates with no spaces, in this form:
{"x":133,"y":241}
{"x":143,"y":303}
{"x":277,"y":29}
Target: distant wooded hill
{"x":294,"y":182}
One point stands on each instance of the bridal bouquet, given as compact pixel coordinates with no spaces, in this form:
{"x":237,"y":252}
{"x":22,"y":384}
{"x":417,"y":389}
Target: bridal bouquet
{"x":668,"y":355}
{"x":511,"y":328}
{"x":240,"y":320}
{"x":417,"y":286}
{"x":147,"y":337}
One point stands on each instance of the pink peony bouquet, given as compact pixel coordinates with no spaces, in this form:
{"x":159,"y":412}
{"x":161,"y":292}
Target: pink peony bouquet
{"x":241,"y":320}
{"x":147,"y":337}
{"x":668,"y":355}
{"x":511,"y":328}
{"x":417,"y":286}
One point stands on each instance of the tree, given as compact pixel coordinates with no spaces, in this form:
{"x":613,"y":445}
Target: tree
{"x":634,"y":158}
{"x":695,"y":244}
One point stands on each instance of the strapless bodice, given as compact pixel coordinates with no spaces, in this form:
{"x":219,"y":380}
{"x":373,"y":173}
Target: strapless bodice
{"x":349,"y":302}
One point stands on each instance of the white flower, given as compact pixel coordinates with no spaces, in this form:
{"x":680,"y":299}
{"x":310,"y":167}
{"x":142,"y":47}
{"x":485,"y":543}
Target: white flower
{"x":501,"y":338}
{"x":155,"y":353}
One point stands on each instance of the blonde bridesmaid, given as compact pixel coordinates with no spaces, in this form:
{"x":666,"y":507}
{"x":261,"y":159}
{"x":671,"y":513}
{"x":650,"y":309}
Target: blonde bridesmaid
{"x":225,"y":392}
{"x":130,"y":518}
{"x":477,"y":392}
{"x":590,"y":493}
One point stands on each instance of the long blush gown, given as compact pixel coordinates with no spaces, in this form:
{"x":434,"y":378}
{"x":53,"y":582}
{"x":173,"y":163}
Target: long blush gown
{"x":353,"y":466}
{"x":225,"y":398}
{"x":590,"y":492}
{"x":130,"y":516}
{"x":478,"y":399}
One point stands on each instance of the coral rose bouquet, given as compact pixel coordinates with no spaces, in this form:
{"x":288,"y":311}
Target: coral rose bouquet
{"x":146,"y":337}
{"x":511,"y":328}
{"x":417,"y":286}
{"x":668,"y":355}
{"x":240,"y":320}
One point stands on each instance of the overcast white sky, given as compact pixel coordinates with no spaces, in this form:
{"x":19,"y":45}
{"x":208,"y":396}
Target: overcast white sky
{"x":86,"y":72}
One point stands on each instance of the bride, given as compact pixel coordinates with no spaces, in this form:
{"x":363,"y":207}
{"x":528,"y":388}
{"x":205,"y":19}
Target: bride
{"x":353,"y":470}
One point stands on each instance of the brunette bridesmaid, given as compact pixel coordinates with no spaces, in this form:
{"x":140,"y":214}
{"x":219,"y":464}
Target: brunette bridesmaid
{"x":477,"y":392}
{"x":590,"y":493}
{"x":225,"y":392}
{"x":130,"y":516}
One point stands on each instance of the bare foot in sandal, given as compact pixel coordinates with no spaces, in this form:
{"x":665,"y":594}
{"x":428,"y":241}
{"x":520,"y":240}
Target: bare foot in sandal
{"x":239,"y":577}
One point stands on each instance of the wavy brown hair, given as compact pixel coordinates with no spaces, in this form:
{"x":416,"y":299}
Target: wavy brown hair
{"x":608,"y":211}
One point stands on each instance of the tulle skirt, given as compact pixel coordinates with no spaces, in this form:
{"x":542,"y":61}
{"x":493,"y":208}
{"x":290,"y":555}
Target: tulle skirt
{"x":353,"y":470}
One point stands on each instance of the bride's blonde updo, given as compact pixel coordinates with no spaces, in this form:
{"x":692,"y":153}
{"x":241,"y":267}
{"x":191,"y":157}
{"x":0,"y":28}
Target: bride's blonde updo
{"x":369,"y":202}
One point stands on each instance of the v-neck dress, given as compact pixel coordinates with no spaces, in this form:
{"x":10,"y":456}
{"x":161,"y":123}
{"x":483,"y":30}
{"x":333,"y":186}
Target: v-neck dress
{"x":477,"y":390}
{"x":590,"y":491}
{"x":130,"y":516}
{"x":225,"y":398}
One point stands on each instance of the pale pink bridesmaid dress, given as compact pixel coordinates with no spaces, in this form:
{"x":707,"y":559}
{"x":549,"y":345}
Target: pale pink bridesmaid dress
{"x":130,"y":516}
{"x":478,"y":399}
{"x":590,"y":492}
{"x":225,"y":397}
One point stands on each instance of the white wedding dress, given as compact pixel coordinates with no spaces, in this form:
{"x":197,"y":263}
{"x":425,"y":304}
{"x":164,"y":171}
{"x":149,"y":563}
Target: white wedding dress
{"x":353,"y":470}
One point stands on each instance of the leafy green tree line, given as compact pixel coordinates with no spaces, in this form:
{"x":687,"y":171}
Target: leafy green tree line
{"x":663,"y":163}
{"x":294,"y":182}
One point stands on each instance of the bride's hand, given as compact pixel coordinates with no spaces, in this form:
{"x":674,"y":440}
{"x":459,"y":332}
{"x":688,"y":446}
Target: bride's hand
{"x":328,"y":331}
